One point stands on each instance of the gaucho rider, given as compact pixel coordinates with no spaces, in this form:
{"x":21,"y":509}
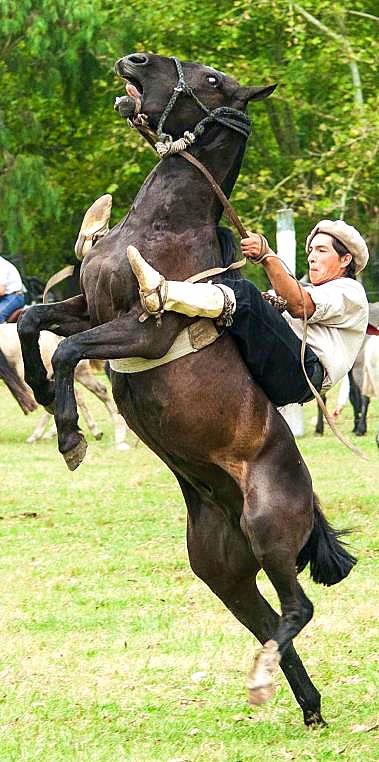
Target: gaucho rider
{"x":270,"y":343}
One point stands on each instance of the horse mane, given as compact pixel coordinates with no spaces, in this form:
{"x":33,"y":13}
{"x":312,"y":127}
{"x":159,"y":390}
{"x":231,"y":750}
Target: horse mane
{"x":228,"y":249}
{"x":232,"y":176}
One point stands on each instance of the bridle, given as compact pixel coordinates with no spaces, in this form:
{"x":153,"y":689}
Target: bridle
{"x":165,"y":145}
{"x":229,"y":117}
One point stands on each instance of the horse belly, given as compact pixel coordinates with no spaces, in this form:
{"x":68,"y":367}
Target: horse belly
{"x":191,"y":406}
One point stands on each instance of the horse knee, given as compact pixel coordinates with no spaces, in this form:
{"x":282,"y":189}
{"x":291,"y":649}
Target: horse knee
{"x":27,"y":324}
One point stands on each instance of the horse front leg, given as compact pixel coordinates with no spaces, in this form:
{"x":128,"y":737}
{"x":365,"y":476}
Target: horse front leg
{"x":64,"y":318}
{"x":122,"y":337}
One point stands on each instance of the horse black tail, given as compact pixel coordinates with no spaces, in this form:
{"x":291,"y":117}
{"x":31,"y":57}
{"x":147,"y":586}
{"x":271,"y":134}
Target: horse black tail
{"x":329,"y":560}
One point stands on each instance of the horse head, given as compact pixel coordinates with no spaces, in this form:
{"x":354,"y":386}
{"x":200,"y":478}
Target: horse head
{"x":176,"y":97}
{"x":176,"y":209}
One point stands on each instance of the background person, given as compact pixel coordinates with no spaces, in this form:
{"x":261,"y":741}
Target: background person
{"x":11,"y":289}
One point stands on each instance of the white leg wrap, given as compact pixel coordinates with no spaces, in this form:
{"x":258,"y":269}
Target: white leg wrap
{"x":191,"y":299}
{"x":202,"y":299}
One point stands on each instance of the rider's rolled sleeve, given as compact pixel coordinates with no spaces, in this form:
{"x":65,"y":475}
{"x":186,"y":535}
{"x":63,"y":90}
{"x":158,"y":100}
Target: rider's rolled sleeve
{"x":336,"y":303}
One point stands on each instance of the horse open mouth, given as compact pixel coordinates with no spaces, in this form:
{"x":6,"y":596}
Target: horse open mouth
{"x":135,"y":90}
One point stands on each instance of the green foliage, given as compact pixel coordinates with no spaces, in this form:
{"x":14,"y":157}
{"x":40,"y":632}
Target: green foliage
{"x":312,"y":148}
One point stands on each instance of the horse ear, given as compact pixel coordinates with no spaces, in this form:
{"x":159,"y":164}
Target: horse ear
{"x":257,"y":93}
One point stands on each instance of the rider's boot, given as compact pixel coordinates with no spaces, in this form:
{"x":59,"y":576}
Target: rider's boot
{"x":191,"y":299}
{"x":95,"y":225}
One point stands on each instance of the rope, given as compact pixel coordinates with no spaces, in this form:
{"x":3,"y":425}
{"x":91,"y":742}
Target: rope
{"x":55,"y":279}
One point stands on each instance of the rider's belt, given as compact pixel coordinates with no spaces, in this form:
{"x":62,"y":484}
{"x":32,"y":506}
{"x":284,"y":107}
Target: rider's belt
{"x":193,"y":338}
{"x":316,"y":378}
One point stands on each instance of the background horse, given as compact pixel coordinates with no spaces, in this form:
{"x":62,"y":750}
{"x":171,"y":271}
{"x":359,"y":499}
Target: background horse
{"x":16,"y":386}
{"x":10,"y":349}
{"x":248,"y":491}
{"x":363,"y":377}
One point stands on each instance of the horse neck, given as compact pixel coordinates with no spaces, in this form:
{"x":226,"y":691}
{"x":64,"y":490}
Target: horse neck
{"x":177,"y":196}
{"x":222,"y":155}
{"x":175,"y":215}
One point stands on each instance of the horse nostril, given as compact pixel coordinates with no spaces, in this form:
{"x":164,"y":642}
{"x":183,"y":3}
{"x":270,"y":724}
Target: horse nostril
{"x":138,"y":58}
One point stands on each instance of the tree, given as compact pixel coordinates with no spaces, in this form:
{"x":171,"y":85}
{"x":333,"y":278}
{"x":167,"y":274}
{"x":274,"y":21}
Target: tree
{"x":313,"y":146}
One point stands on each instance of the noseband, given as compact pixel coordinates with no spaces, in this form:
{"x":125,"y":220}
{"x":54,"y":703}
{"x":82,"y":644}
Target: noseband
{"x":229,"y":117}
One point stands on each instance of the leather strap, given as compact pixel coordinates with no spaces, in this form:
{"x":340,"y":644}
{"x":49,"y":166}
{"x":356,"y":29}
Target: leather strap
{"x":57,"y":278}
{"x":230,"y":213}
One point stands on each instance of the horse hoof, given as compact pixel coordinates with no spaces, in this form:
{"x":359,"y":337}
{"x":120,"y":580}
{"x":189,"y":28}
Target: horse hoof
{"x":123,"y":447}
{"x":258,"y":696}
{"x":314,"y":720}
{"x":98,"y":435}
{"x":260,"y":683}
{"x":75,"y":456}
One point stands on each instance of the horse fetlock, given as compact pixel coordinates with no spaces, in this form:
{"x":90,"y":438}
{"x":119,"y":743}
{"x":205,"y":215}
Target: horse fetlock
{"x":260,"y":682}
{"x":65,"y":357}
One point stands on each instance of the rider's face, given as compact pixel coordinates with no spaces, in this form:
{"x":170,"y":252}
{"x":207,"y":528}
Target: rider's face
{"x":324,"y":262}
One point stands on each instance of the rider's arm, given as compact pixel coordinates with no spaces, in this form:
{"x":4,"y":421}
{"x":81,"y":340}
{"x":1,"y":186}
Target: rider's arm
{"x":284,"y":285}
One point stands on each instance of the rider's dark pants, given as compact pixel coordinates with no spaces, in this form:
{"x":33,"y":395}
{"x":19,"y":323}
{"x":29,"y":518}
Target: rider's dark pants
{"x":269,"y":346}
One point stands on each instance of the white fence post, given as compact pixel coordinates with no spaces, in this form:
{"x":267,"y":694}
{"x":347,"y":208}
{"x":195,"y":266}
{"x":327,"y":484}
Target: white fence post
{"x":286,"y":249}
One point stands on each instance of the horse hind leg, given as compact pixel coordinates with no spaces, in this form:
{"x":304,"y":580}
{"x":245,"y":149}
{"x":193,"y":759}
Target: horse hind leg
{"x":277,"y":523}
{"x":221,"y":556}
{"x":297,"y":611}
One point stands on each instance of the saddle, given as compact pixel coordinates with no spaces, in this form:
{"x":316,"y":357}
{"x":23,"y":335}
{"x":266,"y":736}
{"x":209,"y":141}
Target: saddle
{"x":14,"y":316}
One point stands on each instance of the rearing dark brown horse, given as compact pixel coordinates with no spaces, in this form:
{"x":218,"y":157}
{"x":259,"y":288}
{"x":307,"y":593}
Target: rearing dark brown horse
{"x":248,"y":492}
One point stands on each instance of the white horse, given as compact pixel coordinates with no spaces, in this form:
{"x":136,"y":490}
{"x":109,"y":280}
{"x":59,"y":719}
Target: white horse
{"x":370,"y":386}
{"x":11,"y":348}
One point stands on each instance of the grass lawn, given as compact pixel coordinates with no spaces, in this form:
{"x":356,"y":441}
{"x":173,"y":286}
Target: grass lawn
{"x":112,"y":650}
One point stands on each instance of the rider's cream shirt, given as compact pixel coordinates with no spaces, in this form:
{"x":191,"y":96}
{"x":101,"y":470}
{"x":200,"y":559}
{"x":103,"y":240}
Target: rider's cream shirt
{"x":337,"y":327}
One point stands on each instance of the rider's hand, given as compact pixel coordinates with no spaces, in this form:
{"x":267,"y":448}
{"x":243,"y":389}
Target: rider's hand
{"x":254,"y":247}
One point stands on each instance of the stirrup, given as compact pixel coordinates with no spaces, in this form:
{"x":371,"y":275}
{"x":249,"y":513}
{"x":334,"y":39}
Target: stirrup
{"x":160,"y":291}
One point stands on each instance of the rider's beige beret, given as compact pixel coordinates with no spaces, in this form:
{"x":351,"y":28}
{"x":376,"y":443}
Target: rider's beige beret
{"x":348,"y":235}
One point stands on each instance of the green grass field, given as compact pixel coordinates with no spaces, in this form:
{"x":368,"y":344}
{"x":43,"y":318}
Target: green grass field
{"x":112,"y":650}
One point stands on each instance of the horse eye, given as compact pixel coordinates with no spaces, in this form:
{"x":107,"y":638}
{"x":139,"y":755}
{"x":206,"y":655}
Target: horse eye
{"x":212,"y":80}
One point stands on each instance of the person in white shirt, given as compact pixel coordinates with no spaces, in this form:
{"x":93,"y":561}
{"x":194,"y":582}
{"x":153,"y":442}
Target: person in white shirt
{"x":334,"y":302}
{"x":11,"y":289}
